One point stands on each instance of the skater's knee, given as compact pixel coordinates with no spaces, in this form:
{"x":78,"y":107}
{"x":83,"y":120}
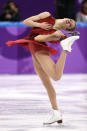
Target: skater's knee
{"x":57,"y":77}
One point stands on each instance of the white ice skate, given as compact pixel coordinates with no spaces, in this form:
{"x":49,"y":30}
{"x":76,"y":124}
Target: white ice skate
{"x":68,"y":42}
{"x":55,"y":117}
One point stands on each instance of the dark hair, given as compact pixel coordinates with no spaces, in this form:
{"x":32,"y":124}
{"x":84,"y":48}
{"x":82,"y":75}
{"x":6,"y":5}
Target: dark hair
{"x":10,"y":1}
{"x":7,"y":4}
{"x":6,"y":7}
{"x":84,"y":1}
{"x":82,"y":7}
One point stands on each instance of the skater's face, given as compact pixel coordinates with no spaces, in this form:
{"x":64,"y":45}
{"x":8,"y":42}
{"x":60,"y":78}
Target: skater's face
{"x":69,"y":24}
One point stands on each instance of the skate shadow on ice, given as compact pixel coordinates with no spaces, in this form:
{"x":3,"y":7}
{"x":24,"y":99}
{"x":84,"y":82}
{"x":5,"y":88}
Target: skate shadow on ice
{"x":60,"y":126}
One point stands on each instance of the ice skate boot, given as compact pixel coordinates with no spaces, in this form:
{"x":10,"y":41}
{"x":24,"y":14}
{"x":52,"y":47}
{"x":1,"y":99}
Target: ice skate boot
{"x":68,"y":42}
{"x":55,"y":117}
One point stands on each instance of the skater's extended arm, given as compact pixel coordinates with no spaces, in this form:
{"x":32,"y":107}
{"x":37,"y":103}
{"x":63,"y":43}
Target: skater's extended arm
{"x":32,"y":21}
{"x":58,"y":35}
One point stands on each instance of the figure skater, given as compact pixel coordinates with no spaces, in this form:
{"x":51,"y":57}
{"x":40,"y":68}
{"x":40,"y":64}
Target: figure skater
{"x":47,"y":28}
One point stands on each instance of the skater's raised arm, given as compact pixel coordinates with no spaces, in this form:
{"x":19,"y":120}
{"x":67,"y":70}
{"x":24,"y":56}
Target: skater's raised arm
{"x":32,"y":21}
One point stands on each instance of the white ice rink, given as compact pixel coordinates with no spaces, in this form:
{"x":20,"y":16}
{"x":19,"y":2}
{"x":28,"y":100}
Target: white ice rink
{"x":24,"y":103}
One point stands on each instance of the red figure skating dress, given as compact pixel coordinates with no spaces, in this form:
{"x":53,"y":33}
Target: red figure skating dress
{"x":32,"y":45}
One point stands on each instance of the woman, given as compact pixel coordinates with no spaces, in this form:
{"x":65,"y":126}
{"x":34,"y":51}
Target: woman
{"x":46,"y":28}
{"x":82,"y":14}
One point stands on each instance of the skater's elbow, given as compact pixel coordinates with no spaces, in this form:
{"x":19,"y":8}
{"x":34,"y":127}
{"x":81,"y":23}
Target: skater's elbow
{"x":36,"y":38}
{"x":27,"y":22}
{"x":39,"y":39}
{"x":24,"y":22}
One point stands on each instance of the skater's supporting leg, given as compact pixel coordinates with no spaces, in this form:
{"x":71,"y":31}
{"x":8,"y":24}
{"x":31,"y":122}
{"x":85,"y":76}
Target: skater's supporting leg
{"x":47,"y":83}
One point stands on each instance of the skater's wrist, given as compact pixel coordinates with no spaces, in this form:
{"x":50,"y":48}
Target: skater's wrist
{"x":38,"y":25}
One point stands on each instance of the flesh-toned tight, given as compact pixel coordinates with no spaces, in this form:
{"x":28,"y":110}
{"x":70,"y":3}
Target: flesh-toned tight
{"x":47,"y":69}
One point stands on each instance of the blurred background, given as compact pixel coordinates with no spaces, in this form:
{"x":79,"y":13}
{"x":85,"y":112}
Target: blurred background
{"x":18,"y":60}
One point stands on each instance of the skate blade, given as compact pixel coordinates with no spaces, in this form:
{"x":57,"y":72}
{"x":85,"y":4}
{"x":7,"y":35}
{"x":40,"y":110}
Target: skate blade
{"x":59,"y":122}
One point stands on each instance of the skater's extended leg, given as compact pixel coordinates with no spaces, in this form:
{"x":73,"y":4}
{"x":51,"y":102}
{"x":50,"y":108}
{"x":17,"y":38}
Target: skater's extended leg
{"x":53,"y":70}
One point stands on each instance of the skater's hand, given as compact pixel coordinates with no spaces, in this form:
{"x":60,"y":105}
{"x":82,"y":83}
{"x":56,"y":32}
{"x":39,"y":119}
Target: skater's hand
{"x":59,"y":35}
{"x":45,"y":26}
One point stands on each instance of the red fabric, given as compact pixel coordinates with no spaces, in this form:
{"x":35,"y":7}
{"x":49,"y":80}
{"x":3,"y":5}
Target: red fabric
{"x":82,"y":12}
{"x":29,"y":43}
